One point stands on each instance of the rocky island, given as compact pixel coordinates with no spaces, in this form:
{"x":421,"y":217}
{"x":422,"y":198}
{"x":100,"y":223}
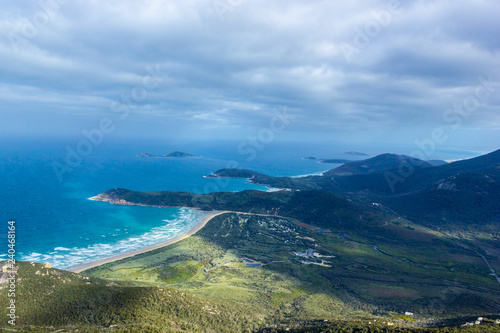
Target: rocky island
{"x":355,"y":153}
{"x":175,"y":154}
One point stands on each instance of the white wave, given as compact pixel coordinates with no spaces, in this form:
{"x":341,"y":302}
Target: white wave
{"x":66,"y":258}
{"x":59,"y":248}
{"x":273,"y":189}
{"x":320,"y":173}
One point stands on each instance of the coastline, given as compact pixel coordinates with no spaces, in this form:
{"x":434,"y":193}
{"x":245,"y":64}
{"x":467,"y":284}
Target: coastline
{"x":195,"y":229}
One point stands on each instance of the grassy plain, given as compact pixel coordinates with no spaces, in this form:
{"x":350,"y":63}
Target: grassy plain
{"x":400,"y":268}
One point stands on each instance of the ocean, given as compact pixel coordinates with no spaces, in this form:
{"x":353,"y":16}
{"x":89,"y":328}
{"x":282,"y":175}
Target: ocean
{"x":56,"y":223}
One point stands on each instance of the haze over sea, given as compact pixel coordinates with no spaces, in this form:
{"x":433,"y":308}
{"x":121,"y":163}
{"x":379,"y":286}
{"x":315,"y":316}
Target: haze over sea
{"x":56,"y":223}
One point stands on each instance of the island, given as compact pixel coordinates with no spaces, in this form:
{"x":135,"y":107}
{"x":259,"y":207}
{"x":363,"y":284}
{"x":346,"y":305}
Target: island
{"x":175,"y":154}
{"x":327,"y":161}
{"x":335,"y":161}
{"x":355,"y":153}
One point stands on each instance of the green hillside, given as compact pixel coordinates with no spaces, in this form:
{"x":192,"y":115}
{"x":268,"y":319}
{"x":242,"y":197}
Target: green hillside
{"x":299,"y":260}
{"x":50,"y":298}
{"x":457,"y":197}
{"x":252,"y":260}
{"x":376,"y":164}
{"x":241,"y":273}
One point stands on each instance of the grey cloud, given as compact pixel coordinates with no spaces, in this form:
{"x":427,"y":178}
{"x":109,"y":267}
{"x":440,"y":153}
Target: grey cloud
{"x":264,"y":55}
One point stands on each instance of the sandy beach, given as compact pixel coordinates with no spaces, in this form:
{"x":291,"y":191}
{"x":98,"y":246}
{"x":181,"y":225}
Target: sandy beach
{"x":200,"y":225}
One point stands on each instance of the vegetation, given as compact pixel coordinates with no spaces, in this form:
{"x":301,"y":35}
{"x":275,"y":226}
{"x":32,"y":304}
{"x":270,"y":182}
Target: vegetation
{"x":209,"y":283}
{"x":52,"y":298}
{"x":298,"y":261}
{"x":373,"y":327}
{"x":320,"y":208}
{"x":433,"y":279}
{"x":377,"y":164}
{"x":458,"y":197}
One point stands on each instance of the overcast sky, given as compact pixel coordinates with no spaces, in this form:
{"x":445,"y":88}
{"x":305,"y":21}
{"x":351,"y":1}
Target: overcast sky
{"x":380,"y":71}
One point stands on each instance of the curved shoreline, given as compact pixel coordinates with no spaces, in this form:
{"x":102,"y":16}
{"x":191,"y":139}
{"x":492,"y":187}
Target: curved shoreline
{"x":195,"y":229}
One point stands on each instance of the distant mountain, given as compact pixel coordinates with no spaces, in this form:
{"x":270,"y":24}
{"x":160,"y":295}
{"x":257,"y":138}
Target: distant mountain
{"x":376,"y":164}
{"x":455,"y":196}
{"x":355,"y":153}
{"x":415,"y":179}
{"x":465,"y":192}
{"x":437,"y":162}
{"x":327,"y":161}
{"x":462,"y":195}
{"x":464,"y":199}
{"x":383,"y":175}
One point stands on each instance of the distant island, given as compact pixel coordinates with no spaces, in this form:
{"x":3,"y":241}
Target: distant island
{"x":335,"y":161}
{"x":327,"y":161}
{"x":355,"y":153}
{"x":175,"y":154}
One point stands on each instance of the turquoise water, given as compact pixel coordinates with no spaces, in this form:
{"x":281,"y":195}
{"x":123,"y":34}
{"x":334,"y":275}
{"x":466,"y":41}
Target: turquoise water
{"x":56,"y":222}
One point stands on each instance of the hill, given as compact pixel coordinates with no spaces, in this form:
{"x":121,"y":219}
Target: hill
{"x":455,"y":196}
{"x":408,"y":177}
{"x":302,"y":183}
{"x":376,"y":164}
{"x":437,"y":162}
{"x":50,"y":298}
{"x":321,"y":208}
{"x":354,"y":276}
{"x":386,"y":174}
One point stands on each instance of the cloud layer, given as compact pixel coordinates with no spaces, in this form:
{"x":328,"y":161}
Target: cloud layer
{"x":374,"y":68}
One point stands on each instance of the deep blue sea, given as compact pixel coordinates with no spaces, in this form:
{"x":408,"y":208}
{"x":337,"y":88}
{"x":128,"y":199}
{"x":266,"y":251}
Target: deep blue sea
{"x":56,"y":223}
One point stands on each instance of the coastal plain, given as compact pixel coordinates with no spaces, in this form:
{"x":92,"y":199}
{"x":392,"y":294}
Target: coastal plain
{"x":361,"y":279}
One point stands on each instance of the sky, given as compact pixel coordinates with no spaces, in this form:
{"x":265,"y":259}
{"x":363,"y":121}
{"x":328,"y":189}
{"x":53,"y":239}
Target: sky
{"x":412,"y":72}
